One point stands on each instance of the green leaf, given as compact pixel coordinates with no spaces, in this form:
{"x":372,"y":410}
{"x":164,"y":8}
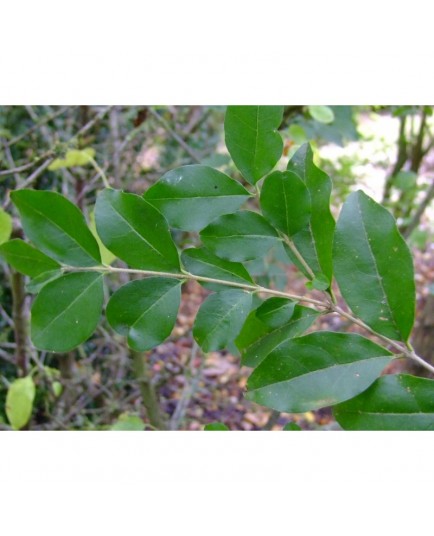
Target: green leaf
{"x":201,"y":262}
{"x":320,"y":282}
{"x":216,"y":427}
{"x":405,"y":180}
{"x":393,"y":402}
{"x":128,"y":422}
{"x":374,"y":268}
{"x":5,"y":226}
{"x":73,"y":157}
{"x":252,"y":139}
{"x":57,"y":227}
{"x":26,"y":259}
{"x":19,"y":402}
{"x":145,"y":311}
{"x":66,"y":311}
{"x":34,"y":285}
{"x":316,"y":370}
{"x":291,"y":427}
{"x":190,"y":197}
{"x":322,"y":114}
{"x":256,"y":340}
{"x":240,"y":237}
{"x":315,"y":240}
{"x":275,"y":312}
{"x":297,"y":134}
{"x":135,"y":231}
{"x":107,"y":256}
{"x":220,"y":319}
{"x":285,"y":202}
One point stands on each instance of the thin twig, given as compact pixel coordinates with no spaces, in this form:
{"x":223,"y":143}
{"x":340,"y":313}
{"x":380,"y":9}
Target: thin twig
{"x":174,"y":135}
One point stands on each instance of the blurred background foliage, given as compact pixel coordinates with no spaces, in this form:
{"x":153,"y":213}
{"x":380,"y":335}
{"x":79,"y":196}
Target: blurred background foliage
{"x":386,"y":150}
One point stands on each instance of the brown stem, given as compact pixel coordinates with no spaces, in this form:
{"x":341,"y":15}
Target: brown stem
{"x":20,"y":322}
{"x":147,"y":390}
{"x":414,"y":222}
{"x":400,"y":160}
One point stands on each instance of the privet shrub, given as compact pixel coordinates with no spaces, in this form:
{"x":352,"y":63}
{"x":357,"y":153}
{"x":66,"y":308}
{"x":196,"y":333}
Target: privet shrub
{"x":292,"y":372}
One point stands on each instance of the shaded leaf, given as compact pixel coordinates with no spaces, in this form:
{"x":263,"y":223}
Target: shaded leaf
{"x":240,"y":237}
{"x":145,"y":311}
{"x":256,"y":340}
{"x":66,"y":311}
{"x":316,"y":370}
{"x":34,"y":285}
{"x":252,"y":139}
{"x":201,"y":262}
{"x":374,"y":268}
{"x":393,"y":402}
{"x":275,"y":312}
{"x":315,"y":240}
{"x":190,"y":197}
{"x":57,"y":227}
{"x":26,"y":259}
{"x":291,"y":427}
{"x":285,"y":202}
{"x":19,"y":401}
{"x":220,"y":319}
{"x":135,"y":231}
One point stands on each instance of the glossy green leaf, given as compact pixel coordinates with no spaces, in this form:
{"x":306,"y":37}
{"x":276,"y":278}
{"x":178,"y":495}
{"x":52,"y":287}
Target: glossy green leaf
{"x":66,"y":311}
{"x":135,"y":231}
{"x":322,"y":114}
{"x":220,"y":319}
{"x":315,"y":240}
{"x":316,"y":370}
{"x":145,"y":311}
{"x":252,"y":139}
{"x":5,"y":226}
{"x":190,"y":197}
{"x":201,"y":262}
{"x":291,"y":427}
{"x":285,"y":202}
{"x":26,"y":259}
{"x":73,"y":157}
{"x":128,"y":422}
{"x":19,"y":402}
{"x":56,"y":227}
{"x":256,"y":340}
{"x":373,"y":267}
{"x":239,"y":237}
{"x":393,"y":402}
{"x":216,"y":427}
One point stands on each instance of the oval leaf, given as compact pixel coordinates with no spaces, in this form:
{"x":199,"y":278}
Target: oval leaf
{"x":26,"y":259}
{"x":73,"y":157}
{"x":239,"y":237}
{"x":315,"y":240}
{"x":190,"y":197}
{"x":257,"y":340}
{"x":220,"y":319}
{"x":19,"y":402}
{"x":201,"y":262}
{"x":5,"y":226}
{"x":374,"y":268}
{"x":275,"y":312}
{"x":66,"y":311}
{"x":285,"y":202}
{"x":128,"y":422}
{"x":393,"y":402}
{"x":317,"y":370}
{"x":322,"y":114}
{"x":252,"y":139}
{"x":57,"y":227}
{"x":145,"y":311}
{"x":135,"y":231}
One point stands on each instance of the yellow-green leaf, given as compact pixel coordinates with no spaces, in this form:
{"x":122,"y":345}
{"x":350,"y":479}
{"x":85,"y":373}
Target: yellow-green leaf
{"x":19,"y":402}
